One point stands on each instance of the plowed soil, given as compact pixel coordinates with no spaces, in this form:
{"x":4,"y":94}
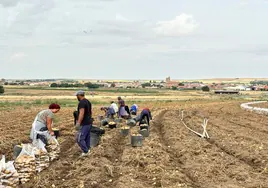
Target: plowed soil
{"x":171,"y":157}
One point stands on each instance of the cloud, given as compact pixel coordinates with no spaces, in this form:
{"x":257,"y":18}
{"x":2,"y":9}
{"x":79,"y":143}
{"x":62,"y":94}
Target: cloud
{"x":18,"y":56}
{"x":243,"y":3}
{"x":124,"y":28}
{"x":119,"y":17}
{"x":9,"y":3}
{"x":183,"y":24}
{"x":25,"y":16}
{"x":54,"y":32}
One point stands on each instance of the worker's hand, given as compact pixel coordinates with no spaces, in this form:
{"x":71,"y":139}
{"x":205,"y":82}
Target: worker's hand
{"x":52,"y":133}
{"x":78,"y":127}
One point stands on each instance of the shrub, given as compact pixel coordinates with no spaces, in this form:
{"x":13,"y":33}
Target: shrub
{"x":144,"y":85}
{"x":174,"y":88}
{"x":205,"y":88}
{"x":2,"y":89}
{"x":54,"y":85}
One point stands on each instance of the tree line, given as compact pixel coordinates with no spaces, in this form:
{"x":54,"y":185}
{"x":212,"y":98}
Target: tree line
{"x":260,"y":82}
{"x":68,"y":85}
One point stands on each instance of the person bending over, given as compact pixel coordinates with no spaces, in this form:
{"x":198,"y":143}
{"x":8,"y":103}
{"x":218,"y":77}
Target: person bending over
{"x":134,"y":109}
{"x":43,"y":123}
{"x":109,"y":112}
{"x":145,"y":115}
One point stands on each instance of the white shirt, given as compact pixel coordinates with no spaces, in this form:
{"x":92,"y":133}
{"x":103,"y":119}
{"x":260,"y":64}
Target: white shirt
{"x":115,"y":107}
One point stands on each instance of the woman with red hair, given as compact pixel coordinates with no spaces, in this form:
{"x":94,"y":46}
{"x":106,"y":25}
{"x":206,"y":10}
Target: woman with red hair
{"x":42,"y":125}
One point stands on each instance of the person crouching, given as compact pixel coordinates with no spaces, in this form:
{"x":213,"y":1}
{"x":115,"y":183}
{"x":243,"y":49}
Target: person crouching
{"x":109,"y":112}
{"x":134,"y":109}
{"x":145,"y":115}
{"x":122,"y":113}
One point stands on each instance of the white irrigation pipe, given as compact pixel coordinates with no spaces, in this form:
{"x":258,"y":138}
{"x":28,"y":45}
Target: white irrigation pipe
{"x":246,"y":106}
{"x":204,"y":125}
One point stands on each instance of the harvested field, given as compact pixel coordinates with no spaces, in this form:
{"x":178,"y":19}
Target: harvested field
{"x":235,"y":156}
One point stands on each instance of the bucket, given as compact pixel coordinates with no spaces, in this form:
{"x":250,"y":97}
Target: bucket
{"x":104,"y":122}
{"x":144,"y":133}
{"x":94,"y":139}
{"x":131,"y":122}
{"x":17,"y":149}
{"x":97,"y":130}
{"x":124,"y":131}
{"x":144,"y":126}
{"x":112,"y":125}
{"x":56,"y":132}
{"x":136,"y":140}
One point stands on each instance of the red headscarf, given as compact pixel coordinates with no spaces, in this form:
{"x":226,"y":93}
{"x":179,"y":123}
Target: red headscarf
{"x":54,"y":106}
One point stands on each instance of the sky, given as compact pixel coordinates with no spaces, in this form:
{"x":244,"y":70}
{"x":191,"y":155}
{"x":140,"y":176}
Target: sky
{"x":127,"y":39}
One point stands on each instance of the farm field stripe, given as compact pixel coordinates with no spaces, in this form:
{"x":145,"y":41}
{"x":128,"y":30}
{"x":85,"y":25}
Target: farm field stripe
{"x":172,"y":154}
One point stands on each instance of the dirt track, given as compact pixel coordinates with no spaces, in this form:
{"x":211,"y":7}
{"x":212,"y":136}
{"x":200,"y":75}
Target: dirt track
{"x":235,"y":156}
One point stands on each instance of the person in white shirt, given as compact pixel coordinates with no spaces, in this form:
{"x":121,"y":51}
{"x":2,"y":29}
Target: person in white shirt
{"x":114,"y":106}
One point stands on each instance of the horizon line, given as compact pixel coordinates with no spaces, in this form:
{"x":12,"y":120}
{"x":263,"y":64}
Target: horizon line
{"x":109,"y":79}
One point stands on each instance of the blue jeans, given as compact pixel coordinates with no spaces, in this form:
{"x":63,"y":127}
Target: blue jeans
{"x":83,"y":138}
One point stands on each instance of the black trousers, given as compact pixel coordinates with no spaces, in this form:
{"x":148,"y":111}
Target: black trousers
{"x":75,"y":117}
{"x":127,"y":109}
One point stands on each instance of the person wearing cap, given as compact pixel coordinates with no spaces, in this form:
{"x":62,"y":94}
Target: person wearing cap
{"x":83,"y":123}
{"x":42,"y":125}
{"x":122,"y":108}
{"x":145,"y":115}
{"x":109,"y":112}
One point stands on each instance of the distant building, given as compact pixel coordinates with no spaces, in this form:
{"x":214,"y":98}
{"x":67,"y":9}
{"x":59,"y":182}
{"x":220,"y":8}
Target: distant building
{"x":2,"y":81}
{"x":170,"y":84}
{"x":237,"y":88}
{"x":168,"y":79}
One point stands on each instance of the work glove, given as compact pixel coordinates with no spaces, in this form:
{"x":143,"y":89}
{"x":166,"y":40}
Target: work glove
{"x":78,"y":127}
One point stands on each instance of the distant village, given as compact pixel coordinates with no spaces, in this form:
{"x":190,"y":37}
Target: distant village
{"x":255,"y":85}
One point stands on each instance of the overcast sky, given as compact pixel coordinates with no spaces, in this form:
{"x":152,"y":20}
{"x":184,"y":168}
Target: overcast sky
{"x":133,"y":39}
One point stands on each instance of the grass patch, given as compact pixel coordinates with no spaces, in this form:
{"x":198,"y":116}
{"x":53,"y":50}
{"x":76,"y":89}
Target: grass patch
{"x":101,"y":90}
{"x":10,"y":104}
{"x":46,"y":102}
{"x":132,"y":90}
